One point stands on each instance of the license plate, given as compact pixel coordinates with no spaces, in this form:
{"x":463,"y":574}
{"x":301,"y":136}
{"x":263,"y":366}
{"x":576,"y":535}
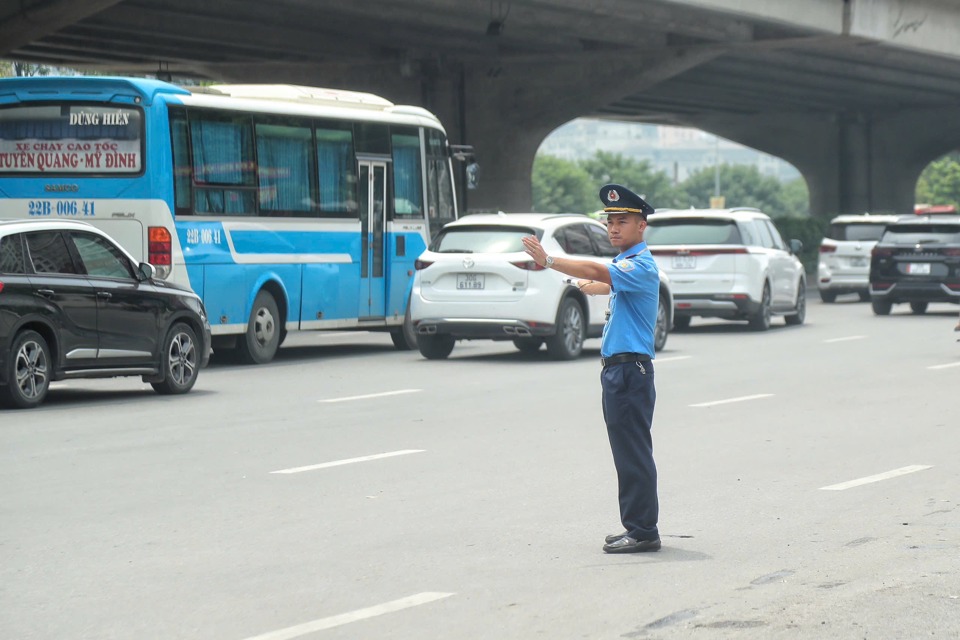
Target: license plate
{"x":918,"y":268}
{"x":684,"y":262}
{"x":858,"y":262}
{"x":470,"y":281}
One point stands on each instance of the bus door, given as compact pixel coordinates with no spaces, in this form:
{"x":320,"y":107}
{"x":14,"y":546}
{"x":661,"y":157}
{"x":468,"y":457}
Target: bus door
{"x":373,"y":212}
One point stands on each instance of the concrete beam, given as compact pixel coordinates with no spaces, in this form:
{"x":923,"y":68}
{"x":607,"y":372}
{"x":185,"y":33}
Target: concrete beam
{"x":854,"y":162}
{"x":34,"y":19}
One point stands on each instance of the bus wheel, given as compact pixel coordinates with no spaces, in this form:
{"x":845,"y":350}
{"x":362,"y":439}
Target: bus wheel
{"x":404,"y":337}
{"x":262,"y":339}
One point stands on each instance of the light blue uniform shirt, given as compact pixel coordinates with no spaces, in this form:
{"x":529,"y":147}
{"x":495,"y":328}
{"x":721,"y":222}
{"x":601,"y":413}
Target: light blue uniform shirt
{"x":634,"y":299}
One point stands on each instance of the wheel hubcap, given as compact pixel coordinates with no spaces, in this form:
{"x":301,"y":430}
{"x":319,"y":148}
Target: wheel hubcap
{"x":573,"y":329}
{"x":31,"y":370}
{"x":264,"y":326}
{"x":183,"y":359}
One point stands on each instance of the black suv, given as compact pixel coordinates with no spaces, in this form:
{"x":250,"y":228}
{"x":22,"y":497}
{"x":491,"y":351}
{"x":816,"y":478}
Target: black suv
{"x":917,"y":260}
{"x":73,"y":304}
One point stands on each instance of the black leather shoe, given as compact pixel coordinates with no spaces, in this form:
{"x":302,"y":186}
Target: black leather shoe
{"x":613,"y":537}
{"x":626,"y":544}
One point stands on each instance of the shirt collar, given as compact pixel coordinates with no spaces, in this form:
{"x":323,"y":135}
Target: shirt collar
{"x":632,"y":251}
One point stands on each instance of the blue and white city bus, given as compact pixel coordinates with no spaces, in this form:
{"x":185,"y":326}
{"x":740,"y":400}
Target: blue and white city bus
{"x":284,"y":207}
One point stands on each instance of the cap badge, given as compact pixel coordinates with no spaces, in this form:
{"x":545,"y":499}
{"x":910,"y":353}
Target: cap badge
{"x":613,"y":196}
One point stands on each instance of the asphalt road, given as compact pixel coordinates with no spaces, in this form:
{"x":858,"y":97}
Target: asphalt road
{"x":809,"y":487}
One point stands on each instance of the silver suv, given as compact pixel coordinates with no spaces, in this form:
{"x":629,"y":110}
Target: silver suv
{"x":728,"y":263}
{"x":844,"y":265}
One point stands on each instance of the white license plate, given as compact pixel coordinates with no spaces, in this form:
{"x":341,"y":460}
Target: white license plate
{"x":684,"y":262}
{"x":918,"y":268}
{"x":858,"y":262}
{"x":470,"y":281}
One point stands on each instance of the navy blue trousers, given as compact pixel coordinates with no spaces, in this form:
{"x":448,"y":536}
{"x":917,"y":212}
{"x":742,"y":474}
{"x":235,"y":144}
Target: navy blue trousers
{"x":629,"y":397}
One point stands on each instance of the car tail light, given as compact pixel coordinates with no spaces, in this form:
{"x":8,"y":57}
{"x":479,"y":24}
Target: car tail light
{"x":528,"y":265}
{"x":1,"y":286}
{"x":953,"y":286}
{"x":881,"y":285}
{"x":828,"y":248}
{"x":160,"y":250}
{"x":881,"y":252}
{"x":419,"y":265}
{"x":951,"y":252}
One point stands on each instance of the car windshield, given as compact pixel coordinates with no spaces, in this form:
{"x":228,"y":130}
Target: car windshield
{"x":481,"y":239}
{"x":922,"y":234}
{"x":865,"y":231}
{"x":692,"y":231}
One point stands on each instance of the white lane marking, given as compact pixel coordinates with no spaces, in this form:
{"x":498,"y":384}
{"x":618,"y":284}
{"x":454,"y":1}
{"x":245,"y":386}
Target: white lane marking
{"x":945,"y":366}
{"x":844,"y":339}
{"x":372,"y":395}
{"x":338,"y":463}
{"x":729,"y":400}
{"x":877,"y":478}
{"x":670,"y":359}
{"x":352,"y":616}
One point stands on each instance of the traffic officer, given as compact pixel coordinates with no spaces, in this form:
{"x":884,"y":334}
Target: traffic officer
{"x":633,"y":282}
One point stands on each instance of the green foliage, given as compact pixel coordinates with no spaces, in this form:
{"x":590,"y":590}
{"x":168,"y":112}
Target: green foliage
{"x":741,"y":186}
{"x":940,"y":181}
{"x":809,"y":231}
{"x":637,"y":175}
{"x":561,"y":186}
{"x":12,"y":68}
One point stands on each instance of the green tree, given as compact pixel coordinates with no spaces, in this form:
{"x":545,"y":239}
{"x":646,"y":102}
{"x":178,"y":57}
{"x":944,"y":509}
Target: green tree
{"x":741,"y":186}
{"x":637,"y":175}
{"x":561,"y":186}
{"x":940,"y":181}
{"x":795,"y":197}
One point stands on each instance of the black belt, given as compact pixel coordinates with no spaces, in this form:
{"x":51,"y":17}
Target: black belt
{"x":620,"y":358}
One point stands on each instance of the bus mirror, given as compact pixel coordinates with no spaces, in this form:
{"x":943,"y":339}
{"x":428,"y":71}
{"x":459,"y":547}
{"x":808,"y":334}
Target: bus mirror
{"x":473,"y":175}
{"x":462,"y":152}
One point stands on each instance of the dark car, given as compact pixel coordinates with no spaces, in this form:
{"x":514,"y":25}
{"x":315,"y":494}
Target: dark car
{"x":917,"y":260}
{"x":73,"y":304}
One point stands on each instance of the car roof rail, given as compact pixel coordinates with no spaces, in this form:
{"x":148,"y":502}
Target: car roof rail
{"x":745,"y":209}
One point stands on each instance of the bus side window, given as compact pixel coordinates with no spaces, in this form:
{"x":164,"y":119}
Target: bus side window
{"x":407,"y":176}
{"x":182,"y":169}
{"x":336,"y":170}
{"x":285,"y":168}
{"x":224,"y":169}
{"x":440,"y":205}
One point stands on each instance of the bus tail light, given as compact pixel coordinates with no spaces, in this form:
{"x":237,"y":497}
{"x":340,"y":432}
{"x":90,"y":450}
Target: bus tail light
{"x":160,"y":250}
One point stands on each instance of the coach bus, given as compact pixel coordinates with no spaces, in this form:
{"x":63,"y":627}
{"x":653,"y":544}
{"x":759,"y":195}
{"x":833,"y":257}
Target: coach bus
{"x":284,"y":207}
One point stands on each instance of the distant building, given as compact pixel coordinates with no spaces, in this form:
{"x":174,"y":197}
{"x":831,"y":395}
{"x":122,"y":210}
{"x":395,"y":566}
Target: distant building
{"x":677,"y":151}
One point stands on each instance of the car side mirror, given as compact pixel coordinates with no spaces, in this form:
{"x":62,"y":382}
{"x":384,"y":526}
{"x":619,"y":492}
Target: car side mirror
{"x":146,"y":271}
{"x":796,"y":247}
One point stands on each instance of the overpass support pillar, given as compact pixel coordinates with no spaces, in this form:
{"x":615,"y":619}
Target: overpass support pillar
{"x":853,"y":162}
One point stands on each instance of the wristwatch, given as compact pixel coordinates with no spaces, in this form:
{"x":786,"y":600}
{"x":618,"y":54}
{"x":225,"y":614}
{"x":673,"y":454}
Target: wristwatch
{"x":549,"y":261}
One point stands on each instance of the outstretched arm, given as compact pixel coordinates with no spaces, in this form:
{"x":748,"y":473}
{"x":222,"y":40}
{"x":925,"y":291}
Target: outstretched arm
{"x":584,"y":269}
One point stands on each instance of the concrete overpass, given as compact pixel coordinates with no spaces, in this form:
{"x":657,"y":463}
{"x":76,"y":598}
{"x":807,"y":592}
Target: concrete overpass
{"x":860,"y":95}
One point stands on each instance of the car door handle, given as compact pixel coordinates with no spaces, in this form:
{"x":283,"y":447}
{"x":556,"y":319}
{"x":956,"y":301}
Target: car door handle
{"x":103,"y":295}
{"x":47,"y":293}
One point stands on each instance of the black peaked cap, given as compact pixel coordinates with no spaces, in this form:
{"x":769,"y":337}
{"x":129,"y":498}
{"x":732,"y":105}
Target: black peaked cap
{"x":618,"y":199}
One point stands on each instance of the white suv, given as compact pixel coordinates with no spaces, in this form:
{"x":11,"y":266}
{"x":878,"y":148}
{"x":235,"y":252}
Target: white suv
{"x":476,"y":282}
{"x":845,"y":255}
{"x":728,"y":263}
